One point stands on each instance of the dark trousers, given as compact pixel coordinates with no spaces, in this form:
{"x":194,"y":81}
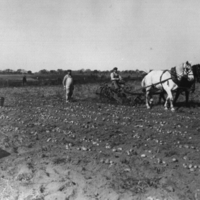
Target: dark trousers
{"x":117,"y":84}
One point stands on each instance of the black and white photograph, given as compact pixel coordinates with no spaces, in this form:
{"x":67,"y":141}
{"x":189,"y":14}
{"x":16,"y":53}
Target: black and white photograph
{"x":99,"y":100}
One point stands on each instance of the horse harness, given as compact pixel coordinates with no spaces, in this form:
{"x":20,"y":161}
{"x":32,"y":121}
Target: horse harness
{"x":166,"y":79}
{"x":161,"y":81}
{"x":174,"y":77}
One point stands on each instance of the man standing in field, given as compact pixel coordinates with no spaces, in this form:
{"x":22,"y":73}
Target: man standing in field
{"x":116,"y":79}
{"x":24,"y":81}
{"x":68,"y":85}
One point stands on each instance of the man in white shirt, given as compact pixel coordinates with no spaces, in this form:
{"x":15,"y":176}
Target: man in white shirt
{"x":116,"y":78}
{"x":68,"y":85}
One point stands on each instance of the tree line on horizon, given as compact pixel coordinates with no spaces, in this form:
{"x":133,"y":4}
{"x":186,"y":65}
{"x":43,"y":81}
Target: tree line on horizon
{"x":61,"y":71}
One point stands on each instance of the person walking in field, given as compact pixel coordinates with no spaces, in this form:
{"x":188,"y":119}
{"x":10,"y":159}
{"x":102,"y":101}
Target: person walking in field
{"x":116,"y":79}
{"x":68,"y":85}
{"x":24,"y":80}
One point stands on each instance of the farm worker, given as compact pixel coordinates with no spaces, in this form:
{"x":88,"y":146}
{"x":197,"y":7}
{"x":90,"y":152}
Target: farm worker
{"x":68,"y":85}
{"x":24,"y":81}
{"x":116,"y":78}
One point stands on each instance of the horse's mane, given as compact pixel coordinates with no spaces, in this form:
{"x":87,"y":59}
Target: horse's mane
{"x":196,"y":72}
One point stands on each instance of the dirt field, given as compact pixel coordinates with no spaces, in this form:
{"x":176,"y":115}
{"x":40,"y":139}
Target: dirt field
{"x":87,"y":150}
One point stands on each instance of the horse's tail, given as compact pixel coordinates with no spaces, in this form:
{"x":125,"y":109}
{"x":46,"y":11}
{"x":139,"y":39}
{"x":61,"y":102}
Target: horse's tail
{"x":143,"y":84}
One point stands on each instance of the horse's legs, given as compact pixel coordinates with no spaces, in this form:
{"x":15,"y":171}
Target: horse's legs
{"x":187,"y":97}
{"x":150,"y":99}
{"x":166,"y":104}
{"x":171,"y":105}
{"x":171,"y":102}
{"x":170,"y":99}
{"x":161,"y":96}
{"x":176,"y":96}
{"x":147,"y":99}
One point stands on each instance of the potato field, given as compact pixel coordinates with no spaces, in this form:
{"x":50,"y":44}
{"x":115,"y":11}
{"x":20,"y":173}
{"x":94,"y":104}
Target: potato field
{"x":94,"y":150}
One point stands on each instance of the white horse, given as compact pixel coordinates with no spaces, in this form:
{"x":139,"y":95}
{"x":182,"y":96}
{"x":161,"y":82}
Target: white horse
{"x":162,"y":80}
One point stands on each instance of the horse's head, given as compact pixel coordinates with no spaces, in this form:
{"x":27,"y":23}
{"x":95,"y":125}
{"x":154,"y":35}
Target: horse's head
{"x":188,"y":71}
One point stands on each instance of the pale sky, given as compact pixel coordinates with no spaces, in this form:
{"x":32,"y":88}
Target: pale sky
{"x":98,"y":34}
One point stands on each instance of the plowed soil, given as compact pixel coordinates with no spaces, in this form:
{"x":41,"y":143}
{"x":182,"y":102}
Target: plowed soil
{"x":88,"y":150}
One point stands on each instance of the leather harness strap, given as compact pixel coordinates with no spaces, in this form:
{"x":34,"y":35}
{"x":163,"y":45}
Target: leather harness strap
{"x":162,"y":76}
{"x":174,"y":76}
{"x":161,"y":81}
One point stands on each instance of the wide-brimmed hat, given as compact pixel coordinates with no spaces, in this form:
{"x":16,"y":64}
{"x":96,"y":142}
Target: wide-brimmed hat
{"x":115,"y":68}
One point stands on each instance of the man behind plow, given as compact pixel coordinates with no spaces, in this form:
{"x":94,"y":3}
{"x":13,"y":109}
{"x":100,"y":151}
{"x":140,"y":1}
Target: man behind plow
{"x":116,"y":79}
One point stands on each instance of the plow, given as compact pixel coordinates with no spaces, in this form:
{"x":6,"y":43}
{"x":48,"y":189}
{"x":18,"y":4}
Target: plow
{"x":132,"y":96}
{"x":126,"y":95}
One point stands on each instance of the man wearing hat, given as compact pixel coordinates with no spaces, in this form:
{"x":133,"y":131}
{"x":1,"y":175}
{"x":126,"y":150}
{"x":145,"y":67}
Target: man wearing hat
{"x":68,"y":85}
{"x":116,"y":78}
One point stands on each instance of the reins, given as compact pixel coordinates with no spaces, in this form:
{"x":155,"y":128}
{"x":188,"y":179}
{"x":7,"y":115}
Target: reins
{"x":161,"y":77}
{"x":158,"y":83}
